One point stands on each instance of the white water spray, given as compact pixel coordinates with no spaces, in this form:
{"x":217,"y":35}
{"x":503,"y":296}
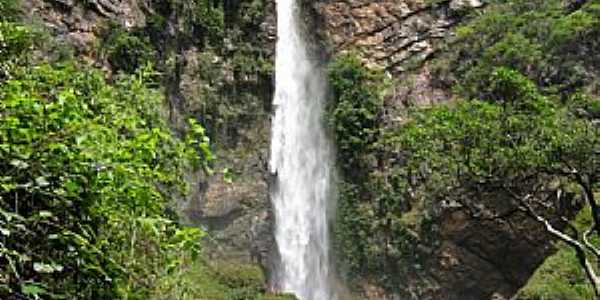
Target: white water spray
{"x":302,"y":161}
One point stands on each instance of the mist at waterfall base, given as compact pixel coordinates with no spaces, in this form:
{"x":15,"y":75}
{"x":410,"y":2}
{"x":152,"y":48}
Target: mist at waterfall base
{"x":302,"y":161}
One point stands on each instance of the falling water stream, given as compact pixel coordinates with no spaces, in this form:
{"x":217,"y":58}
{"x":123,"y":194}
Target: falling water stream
{"x":301,"y":161}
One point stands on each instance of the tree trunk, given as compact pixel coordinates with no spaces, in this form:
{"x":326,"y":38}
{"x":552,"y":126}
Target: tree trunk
{"x":572,"y":242}
{"x":589,"y":196}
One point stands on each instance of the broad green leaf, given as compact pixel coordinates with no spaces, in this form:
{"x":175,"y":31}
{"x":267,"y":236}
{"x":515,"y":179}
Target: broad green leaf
{"x":46,"y":268}
{"x":33,"y":290}
{"x":45,"y":214}
{"x":19,"y":164}
{"x":42,"y":181}
{"x":4,"y":231}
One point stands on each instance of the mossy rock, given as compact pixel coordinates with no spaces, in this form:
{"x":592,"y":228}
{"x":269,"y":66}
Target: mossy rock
{"x":239,"y":276}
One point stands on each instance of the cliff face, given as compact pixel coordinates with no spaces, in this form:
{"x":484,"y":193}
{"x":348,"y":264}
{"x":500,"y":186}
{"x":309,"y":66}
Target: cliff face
{"x":398,"y":36}
{"x":485,"y":258}
{"x":395,"y":35}
{"x":81,"y":25}
{"x":200,"y":80}
{"x":486,"y":255}
{"x":224,"y":88}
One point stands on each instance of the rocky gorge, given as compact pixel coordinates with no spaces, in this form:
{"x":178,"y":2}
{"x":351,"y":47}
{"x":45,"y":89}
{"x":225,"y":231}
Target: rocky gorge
{"x":225,"y":81}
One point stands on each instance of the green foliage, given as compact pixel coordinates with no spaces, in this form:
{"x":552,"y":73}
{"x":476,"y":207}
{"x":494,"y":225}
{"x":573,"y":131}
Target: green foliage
{"x":177,"y":23}
{"x":228,"y":107}
{"x":483,"y":143}
{"x":250,"y":277}
{"x":9,"y":10}
{"x":513,"y":50}
{"x":524,"y":64}
{"x":580,"y":24}
{"x":126,"y":51}
{"x":239,"y":76}
{"x":202,"y":20}
{"x":251,"y":12}
{"x":537,"y":38}
{"x":247,"y":62}
{"x":220,"y":281}
{"x":560,"y":277}
{"x":210,"y":18}
{"x":154,"y":250}
{"x":15,"y":42}
{"x":370,"y":237}
{"x":231,"y":108}
{"x":354,"y":114}
{"x":479,"y":153}
{"x":517,"y":141}
{"x":352,"y":230}
{"x":87,"y":169}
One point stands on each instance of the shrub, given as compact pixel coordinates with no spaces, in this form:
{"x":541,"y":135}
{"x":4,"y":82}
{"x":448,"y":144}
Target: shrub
{"x":15,"y":43}
{"x":355,"y":110}
{"x":9,"y":10}
{"x":540,"y":39}
{"x":87,"y":171}
{"x":126,"y":51}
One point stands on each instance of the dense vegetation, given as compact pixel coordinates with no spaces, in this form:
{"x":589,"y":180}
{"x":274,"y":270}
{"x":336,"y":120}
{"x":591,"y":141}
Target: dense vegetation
{"x":88,"y":169}
{"x":91,"y":170}
{"x":362,"y":224}
{"x":545,"y":40}
{"x":524,"y":130}
{"x":231,"y":74}
{"x":370,"y":232}
{"x":528,"y":153}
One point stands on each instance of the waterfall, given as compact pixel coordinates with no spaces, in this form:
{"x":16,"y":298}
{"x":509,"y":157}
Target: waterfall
{"x":302,"y":164}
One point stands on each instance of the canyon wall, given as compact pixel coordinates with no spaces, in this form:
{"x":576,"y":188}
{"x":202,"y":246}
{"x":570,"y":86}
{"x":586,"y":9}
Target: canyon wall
{"x":474,"y":258}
